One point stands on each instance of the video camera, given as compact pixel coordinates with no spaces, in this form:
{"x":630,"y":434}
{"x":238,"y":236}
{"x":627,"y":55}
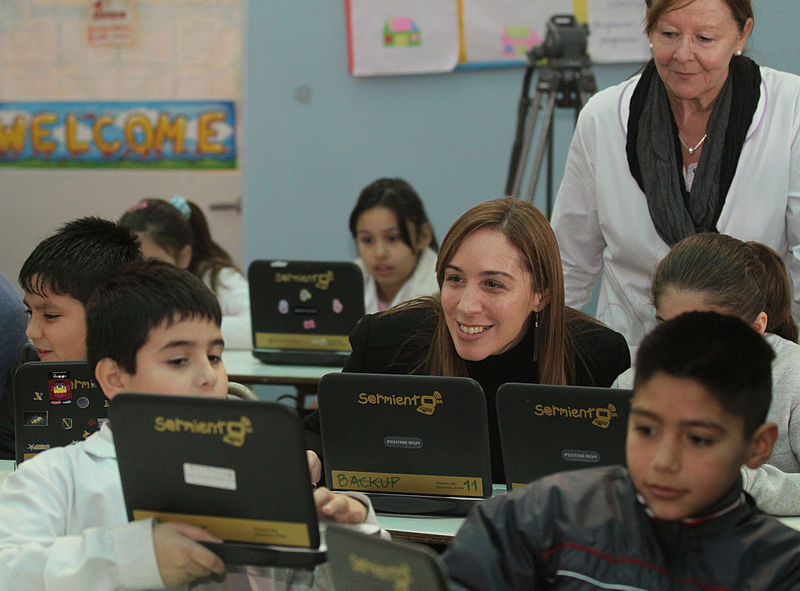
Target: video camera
{"x":564,"y":44}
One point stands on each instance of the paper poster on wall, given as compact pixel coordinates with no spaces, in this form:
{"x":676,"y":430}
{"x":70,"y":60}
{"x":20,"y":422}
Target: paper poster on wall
{"x":402,"y":36}
{"x":112,"y":23}
{"x":118,"y":134}
{"x":500,"y":33}
{"x":417,"y":36}
{"x":617,"y":31}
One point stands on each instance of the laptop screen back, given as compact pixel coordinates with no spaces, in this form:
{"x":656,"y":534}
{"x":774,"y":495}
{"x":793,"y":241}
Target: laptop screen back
{"x":237,"y":468}
{"x":55,"y":404}
{"x":304,"y":306}
{"x":358,"y":561}
{"x":546,"y":429}
{"x":405,"y":434}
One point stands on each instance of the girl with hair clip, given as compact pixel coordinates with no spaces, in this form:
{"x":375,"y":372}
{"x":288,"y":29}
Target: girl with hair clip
{"x":720,"y":273}
{"x":500,"y":316}
{"x":177,"y":232}
{"x":396,"y":245}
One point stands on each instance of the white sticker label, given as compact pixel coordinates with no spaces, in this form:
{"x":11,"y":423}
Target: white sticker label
{"x":210,"y":476}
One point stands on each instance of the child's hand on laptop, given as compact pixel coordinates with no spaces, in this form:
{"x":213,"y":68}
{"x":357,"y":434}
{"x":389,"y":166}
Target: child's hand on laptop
{"x":314,"y":466}
{"x":180,"y":558}
{"x":338,"y":507}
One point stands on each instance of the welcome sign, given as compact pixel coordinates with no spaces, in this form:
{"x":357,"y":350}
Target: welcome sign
{"x":117,"y":134}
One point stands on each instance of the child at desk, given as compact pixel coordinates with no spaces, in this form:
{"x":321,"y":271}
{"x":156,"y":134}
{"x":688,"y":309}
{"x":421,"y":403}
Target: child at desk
{"x":58,"y":278}
{"x":177,"y":232}
{"x":396,"y":245}
{"x":710,"y":271}
{"x":677,"y":517}
{"x":63,"y":522}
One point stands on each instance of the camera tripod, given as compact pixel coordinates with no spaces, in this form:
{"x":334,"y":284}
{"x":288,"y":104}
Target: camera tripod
{"x":562,"y":83}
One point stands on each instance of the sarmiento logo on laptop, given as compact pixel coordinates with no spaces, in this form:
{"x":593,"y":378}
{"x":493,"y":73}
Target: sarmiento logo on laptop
{"x":320,"y":280}
{"x":232,"y":432}
{"x":397,"y":574}
{"x":425,"y":403}
{"x":600,"y":416}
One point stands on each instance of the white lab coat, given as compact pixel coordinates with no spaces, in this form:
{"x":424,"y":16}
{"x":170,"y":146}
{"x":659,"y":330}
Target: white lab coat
{"x":63,"y":527}
{"x":233,"y":294}
{"x":604,"y":228}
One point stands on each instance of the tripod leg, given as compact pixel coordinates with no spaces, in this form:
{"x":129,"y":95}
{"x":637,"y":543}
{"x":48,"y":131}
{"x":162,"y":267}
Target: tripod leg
{"x":537,"y":161}
{"x":523,"y":109}
{"x":549,"y":194}
{"x":526,"y":146}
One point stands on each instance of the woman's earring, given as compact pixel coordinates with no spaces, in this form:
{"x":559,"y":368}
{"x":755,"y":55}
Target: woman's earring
{"x":651,"y":48}
{"x":738,"y":52}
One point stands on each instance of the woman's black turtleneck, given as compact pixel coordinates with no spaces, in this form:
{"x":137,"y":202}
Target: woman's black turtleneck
{"x":381,"y":344}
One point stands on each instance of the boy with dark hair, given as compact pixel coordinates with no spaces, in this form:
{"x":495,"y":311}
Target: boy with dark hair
{"x":153,"y":328}
{"x":677,"y":517}
{"x":58,"y":278}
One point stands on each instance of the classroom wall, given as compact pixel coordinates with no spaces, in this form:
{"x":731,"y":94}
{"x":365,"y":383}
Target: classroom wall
{"x":36,"y":202}
{"x":314,"y":135}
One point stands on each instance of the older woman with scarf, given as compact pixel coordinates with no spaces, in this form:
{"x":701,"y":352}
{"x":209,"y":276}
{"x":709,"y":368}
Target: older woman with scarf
{"x":704,"y":139}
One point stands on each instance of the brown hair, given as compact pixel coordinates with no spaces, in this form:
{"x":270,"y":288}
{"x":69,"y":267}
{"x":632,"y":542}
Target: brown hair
{"x":742,"y":11}
{"x":531,"y":235}
{"x":741,"y":278}
{"x":173,"y":228}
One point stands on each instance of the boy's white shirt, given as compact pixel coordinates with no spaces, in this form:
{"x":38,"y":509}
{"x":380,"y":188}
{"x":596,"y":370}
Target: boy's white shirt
{"x":63,"y":527}
{"x":233,"y":295}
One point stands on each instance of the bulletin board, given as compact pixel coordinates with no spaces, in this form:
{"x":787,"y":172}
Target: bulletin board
{"x":170,"y":50}
{"x":387,"y":37}
{"x":119,"y":83}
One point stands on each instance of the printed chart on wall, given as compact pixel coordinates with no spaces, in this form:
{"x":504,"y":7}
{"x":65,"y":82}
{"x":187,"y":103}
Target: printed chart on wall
{"x":388,"y":37}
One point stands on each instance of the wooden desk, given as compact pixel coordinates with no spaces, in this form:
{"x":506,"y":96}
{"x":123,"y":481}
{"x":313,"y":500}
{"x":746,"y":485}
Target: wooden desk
{"x":426,"y":529}
{"x":242,"y":367}
{"x":439,"y":530}
{"x":421,"y":529}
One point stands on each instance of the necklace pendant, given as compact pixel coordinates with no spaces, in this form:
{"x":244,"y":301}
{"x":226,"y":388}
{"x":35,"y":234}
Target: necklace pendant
{"x":689,"y":148}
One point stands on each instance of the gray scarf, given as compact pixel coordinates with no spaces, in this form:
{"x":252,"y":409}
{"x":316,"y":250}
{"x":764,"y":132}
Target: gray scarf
{"x":677,"y":213}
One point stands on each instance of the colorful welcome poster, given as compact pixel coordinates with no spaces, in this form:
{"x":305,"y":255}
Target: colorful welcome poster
{"x":117,"y":134}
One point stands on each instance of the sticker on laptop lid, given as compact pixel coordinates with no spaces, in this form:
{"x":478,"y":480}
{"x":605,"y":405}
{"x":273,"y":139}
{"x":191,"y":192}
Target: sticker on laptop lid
{"x":466,"y":486}
{"x":209,"y":476}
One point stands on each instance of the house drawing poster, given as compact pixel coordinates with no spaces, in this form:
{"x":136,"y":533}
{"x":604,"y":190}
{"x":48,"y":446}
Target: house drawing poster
{"x":503,"y":32}
{"x":389,"y":37}
{"x":428,"y":36}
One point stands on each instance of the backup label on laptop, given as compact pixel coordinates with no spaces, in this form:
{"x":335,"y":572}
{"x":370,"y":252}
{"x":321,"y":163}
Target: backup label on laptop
{"x":413,"y":435}
{"x":465,"y":486}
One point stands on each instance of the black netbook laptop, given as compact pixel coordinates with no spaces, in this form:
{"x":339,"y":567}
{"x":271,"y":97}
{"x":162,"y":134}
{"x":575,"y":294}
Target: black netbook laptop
{"x":237,"y":468}
{"x":414,"y":444}
{"x":360,"y":562}
{"x":546,"y":429}
{"x":303,"y":311}
{"x":55,"y":404}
